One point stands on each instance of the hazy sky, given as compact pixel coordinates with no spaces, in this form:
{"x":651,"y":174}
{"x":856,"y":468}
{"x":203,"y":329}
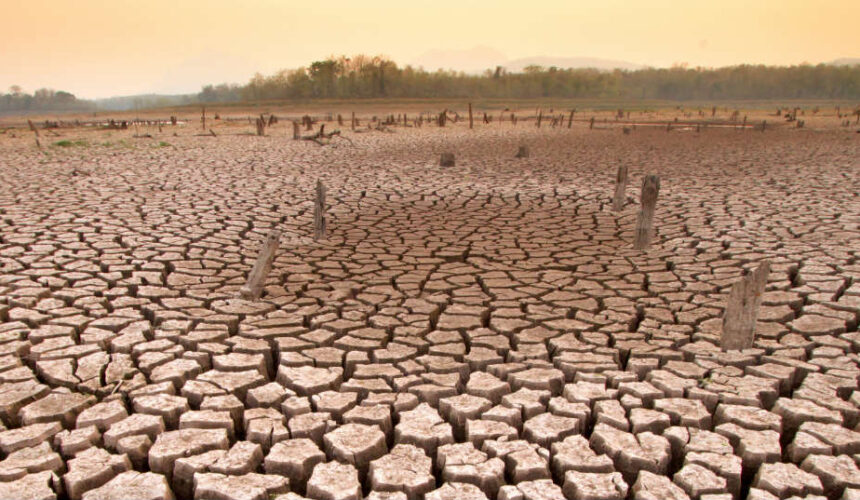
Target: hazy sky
{"x":119,"y":47}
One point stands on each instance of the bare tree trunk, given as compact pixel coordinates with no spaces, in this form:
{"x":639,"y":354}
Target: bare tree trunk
{"x":645,"y":221}
{"x":620,"y":188}
{"x":257,"y":278}
{"x":203,"y":117}
{"x":742,"y":309}
{"x":319,"y":212}
{"x":36,"y":133}
{"x":470,"y":116}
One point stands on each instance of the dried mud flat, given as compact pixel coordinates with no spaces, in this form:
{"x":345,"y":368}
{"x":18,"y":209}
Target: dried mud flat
{"x":479,"y":331}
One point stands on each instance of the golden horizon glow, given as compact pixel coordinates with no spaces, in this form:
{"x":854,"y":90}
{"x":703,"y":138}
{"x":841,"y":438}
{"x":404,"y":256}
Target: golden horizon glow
{"x":121,"y":47}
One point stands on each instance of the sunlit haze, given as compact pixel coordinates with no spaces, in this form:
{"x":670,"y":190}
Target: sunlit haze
{"x":121,"y":47}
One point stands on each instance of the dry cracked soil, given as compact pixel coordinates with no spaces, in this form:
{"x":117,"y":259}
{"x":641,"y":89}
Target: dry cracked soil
{"x":484,"y":330}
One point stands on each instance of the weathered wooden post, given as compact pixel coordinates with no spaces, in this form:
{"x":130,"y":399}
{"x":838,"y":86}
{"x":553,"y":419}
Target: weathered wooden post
{"x":522,"y":152}
{"x":570,"y":119}
{"x":763,"y":125}
{"x":261,"y":127}
{"x":203,"y":117}
{"x":35,"y":132}
{"x":470,"y":115}
{"x":296,"y":131}
{"x":353,"y":121}
{"x":645,"y":221}
{"x":620,"y":188}
{"x":591,"y":124}
{"x":319,"y":211}
{"x":742,"y":309}
{"x":257,"y":278}
{"x":539,"y":118}
{"x":446,"y":160}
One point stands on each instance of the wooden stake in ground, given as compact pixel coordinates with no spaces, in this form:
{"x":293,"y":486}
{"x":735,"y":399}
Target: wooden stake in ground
{"x":539,"y":118}
{"x":319,"y":211}
{"x":645,"y":221}
{"x":742,"y":309}
{"x":257,"y":278}
{"x":570,"y":120}
{"x":470,"y":115}
{"x":36,"y":132}
{"x":203,"y":117}
{"x":353,"y":121}
{"x":446,"y":160}
{"x":620,"y":188}
{"x":296,"y":132}
{"x":261,"y":127}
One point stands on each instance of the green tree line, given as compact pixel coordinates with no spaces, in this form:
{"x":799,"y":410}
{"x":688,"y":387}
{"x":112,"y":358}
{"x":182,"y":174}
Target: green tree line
{"x":378,"y":77}
{"x":40,"y":100}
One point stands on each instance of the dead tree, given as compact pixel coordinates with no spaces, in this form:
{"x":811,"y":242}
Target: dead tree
{"x":645,"y":221}
{"x":203,"y":117}
{"x":272,"y":120}
{"x":308,"y":122}
{"x":36,"y":133}
{"x":591,"y":124}
{"x":296,"y":132}
{"x":620,"y":188}
{"x":173,"y":120}
{"x":354,"y":123}
{"x":539,"y":118}
{"x":261,"y":127}
{"x":570,"y":119}
{"x":339,"y":120}
{"x":742,"y":309}
{"x":257,"y":278}
{"x":470,"y":116}
{"x":319,"y":212}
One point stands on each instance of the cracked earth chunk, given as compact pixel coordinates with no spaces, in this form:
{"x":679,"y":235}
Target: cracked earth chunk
{"x":458,"y":409}
{"x":72,"y":442}
{"x":424,"y":428}
{"x":295,"y":459}
{"x":697,"y":481}
{"x":836,"y":473}
{"x":786,"y":480}
{"x":167,"y":406}
{"x":307,"y":380}
{"x":594,"y":486}
{"x":208,"y":419}
{"x":16,"y":395}
{"x":131,"y":484}
{"x":57,"y":406}
{"x":149,"y":425}
{"x":39,"y":486}
{"x":242,"y":458}
{"x":30,"y":435}
{"x":462,"y":463}
{"x":575,"y":454}
{"x":172,"y":445}
{"x":749,"y":417}
{"x":632,"y":453}
{"x":547,"y":428}
{"x":795,"y":412}
{"x":249,"y":486}
{"x":754,"y":447}
{"x":334,"y":481}
{"x":91,"y":469}
{"x":456,"y":491}
{"x":25,"y":461}
{"x":406,"y":468}
{"x":650,"y":486}
{"x":355,"y":444}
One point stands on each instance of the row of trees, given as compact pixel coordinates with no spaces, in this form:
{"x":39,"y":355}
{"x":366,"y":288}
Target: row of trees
{"x":374,"y":77}
{"x":40,"y":100}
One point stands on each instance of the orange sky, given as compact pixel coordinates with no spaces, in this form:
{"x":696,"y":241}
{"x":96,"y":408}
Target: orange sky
{"x":119,"y":47}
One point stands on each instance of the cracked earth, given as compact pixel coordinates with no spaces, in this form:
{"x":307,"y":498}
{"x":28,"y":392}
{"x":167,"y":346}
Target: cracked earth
{"x":478,"y":331}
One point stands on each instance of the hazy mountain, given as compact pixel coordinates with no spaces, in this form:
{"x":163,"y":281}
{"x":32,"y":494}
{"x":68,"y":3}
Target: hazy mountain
{"x":479,"y":59}
{"x":846,"y":61}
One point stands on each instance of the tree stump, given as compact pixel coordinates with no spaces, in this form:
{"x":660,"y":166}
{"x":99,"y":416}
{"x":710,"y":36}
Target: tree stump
{"x":203,"y":117}
{"x":447,"y":160}
{"x":257,"y":278}
{"x":353,"y":121}
{"x":591,"y":123}
{"x":570,"y":119}
{"x":470,"y":115}
{"x":742,"y":309}
{"x":296,"y":132}
{"x":319,"y":212}
{"x":261,"y":127}
{"x":645,"y":221}
{"x":539,"y":118}
{"x":522,"y":152}
{"x":620,"y":188}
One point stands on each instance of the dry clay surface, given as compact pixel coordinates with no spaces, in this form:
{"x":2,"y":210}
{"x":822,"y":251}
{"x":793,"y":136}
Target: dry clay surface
{"x":479,"y":331}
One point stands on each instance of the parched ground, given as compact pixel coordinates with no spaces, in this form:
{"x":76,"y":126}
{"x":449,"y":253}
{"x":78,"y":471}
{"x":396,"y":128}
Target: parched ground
{"x":482,"y":330}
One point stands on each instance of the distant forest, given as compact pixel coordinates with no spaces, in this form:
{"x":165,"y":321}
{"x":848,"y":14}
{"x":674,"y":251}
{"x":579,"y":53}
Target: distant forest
{"x":377,"y":77}
{"x":362,"y":77}
{"x":16,"y":100}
